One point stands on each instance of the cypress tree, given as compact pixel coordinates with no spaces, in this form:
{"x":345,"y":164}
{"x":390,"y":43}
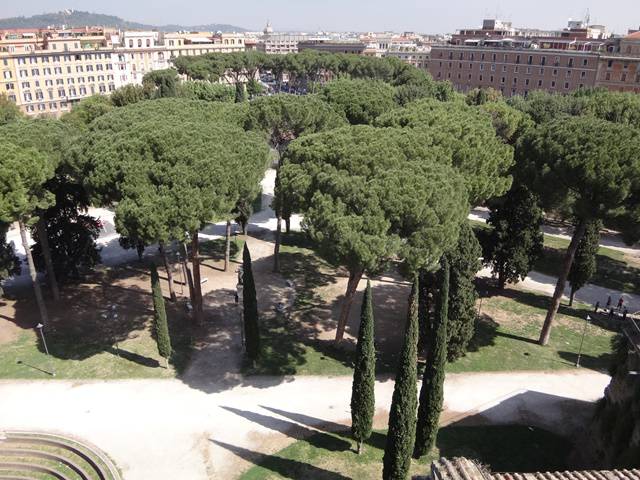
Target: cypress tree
{"x":402,"y":415}
{"x":160,"y":317}
{"x":364,"y":375}
{"x":464,"y":263}
{"x":250,"y":304}
{"x":584,"y":263}
{"x":431,"y":393}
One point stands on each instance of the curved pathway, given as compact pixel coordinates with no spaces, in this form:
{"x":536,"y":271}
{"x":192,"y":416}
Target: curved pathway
{"x":165,"y":429}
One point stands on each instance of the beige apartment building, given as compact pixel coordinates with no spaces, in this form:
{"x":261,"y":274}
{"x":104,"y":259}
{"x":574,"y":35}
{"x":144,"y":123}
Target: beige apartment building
{"x":46,"y":71}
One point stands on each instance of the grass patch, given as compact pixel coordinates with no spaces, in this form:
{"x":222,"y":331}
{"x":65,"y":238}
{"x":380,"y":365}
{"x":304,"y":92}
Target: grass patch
{"x":614,"y":270}
{"x":508,"y":329}
{"x":500,"y":448}
{"x":505,"y":340}
{"x":215,"y":249}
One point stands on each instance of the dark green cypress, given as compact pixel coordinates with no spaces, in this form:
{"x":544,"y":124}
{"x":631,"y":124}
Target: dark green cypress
{"x":363,"y":401}
{"x":402,"y":415}
{"x":431,"y":393}
{"x":160,"y":316}
{"x":250,"y":308}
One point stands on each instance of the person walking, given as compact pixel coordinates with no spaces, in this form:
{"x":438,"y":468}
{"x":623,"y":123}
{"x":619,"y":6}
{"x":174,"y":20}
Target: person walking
{"x":609,"y":302}
{"x":624,"y":314}
{"x":620,"y":303}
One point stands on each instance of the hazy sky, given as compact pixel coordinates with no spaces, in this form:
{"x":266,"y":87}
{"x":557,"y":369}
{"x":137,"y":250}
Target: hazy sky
{"x":425,"y":16}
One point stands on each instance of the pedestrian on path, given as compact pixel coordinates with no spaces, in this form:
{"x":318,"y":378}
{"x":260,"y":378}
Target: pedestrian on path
{"x":620,"y":303}
{"x":624,"y":314}
{"x":609,"y":302}
{"x":611,"y":313}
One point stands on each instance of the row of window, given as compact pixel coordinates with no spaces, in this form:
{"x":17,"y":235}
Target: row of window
{"x":516,"y":69}
{"x":60,"y":81}
{"x":62,"y":92}
{"x":623,"y":77}
{"x":503,"y":81}
{"x":571,"y":61}
{"x":58,"y":70}
{"x":56,"y":58}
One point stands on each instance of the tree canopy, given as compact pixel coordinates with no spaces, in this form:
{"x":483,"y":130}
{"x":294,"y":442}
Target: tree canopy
{"x":467,"y":139}
{"x":361,"y":101}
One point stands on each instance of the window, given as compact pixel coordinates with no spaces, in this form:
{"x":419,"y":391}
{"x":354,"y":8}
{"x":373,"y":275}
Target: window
{"x":79,"y":68}
{"x":480,"y":78}
{"x":39,"y":95}
{"x":515,"y":81}
{"x":7,"y":75}
{"x":61,"y":92}
{"x":139,"y":42}
{"x":607,"y":76}
{"x":130,"y":43}
{"x":482,"y":67}
{"x":585,"y":62}
{"x":503,"y":80}
{"x":68,"y":69}
{"x":493,"y":67}
{"x":515,"y":69}
{"x":504,"y":69}
{"x":623,"y":77}
{"x":570,"y":62}
{"x":610,"y":64}
{"x":566,"y":85}
{"x":517,"y":58}
{"x":583,"y":74}
{"x":26,"y":85}
{"x":555,"y":72}
{"x":543,"y":61}
{"x":539,"y":83}
{"x":70,"y":81}
{"x":148,"y":42}
{"x":553,"y":84}
{"x":59,"y":81}
{"x":528,"y":70}
{"x":569,"y":73}
{"x":27,"y":96}
{"x":526,"y":81}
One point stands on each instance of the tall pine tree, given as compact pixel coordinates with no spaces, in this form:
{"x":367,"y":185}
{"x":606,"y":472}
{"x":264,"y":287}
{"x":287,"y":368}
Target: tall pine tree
{"x":363,"y":401}
{"x":250,"y":304}
{"x":584,"y":263}
{"x":402,"y":415}
{"x":160,"y":317}
{"x":464,"y":263}
{"x":431,"y":393}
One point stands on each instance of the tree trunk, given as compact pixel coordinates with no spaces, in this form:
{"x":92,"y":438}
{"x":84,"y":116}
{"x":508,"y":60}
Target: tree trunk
{"x":41,"y":229}
{"x":424,"y":308}
{"x":227,"y":248}
{"x":276,"y":250}
{"x":562,"y":280}
{"x":573,"y":292}
{"x":245,"y":227}
{"x":197,"y":284}
{"x":167,"y":267}
{"x":359,"y":447}
{"x":187,"y":272}
{"x":44,"y":318}
{"x":501,"y":279}
{"x":352,"y":286}
{"x":287,"y":224}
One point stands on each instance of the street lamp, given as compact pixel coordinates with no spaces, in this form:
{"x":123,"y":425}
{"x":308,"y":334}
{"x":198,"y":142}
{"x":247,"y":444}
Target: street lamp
{"x":40,"y":327}
{"x":584,"y":331}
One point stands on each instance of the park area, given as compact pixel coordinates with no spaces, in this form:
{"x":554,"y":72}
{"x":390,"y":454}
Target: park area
{"x":86,"y":341}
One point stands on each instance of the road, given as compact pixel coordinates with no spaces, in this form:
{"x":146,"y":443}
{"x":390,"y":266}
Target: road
{"x":166,"y":429}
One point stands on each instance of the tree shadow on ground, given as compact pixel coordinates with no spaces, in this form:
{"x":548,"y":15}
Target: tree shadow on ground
{"x":590,"y":362}
{"x":84,"y":322}
{"x":293,"y":430}
{"x":282,"y":466}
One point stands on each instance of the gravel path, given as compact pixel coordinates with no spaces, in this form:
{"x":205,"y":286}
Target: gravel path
{"x":169,"y":430}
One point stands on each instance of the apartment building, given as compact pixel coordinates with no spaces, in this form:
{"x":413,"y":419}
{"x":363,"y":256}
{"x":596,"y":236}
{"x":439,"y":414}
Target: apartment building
{"x":579,"y":56}
{"x":513,"y":71}
{"x":619,"y":70}
{"x":46,"y":71}
{"x":418,"y":56}
{"x":334,"y":46}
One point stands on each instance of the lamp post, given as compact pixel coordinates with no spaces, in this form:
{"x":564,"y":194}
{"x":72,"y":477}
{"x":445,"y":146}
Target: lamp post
{"x":584,"y":331}
{"x":40,"y":327}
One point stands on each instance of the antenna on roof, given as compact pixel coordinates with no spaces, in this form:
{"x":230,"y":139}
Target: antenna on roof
{"x":587,"y":18}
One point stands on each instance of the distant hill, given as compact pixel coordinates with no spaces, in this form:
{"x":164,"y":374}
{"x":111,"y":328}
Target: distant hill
{"x":75,"y":18}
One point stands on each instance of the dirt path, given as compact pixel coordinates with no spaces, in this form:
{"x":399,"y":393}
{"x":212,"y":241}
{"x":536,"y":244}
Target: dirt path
{"x":167,"y":430}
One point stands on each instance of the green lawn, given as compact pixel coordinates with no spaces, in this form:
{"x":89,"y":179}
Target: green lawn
{"x":615,"y":270}
{"x":505,"y":340}
{"x":330,"y":456}
{"x":75,"y":355}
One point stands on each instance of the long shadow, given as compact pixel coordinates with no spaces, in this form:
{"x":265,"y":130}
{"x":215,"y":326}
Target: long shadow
{"x":134,"y":357}
{"x":376,"y":439}
{"x":516,"y":337}
{"x":588,"y":361}
{"x":294,"y":430}
{"x":282,"y":466}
